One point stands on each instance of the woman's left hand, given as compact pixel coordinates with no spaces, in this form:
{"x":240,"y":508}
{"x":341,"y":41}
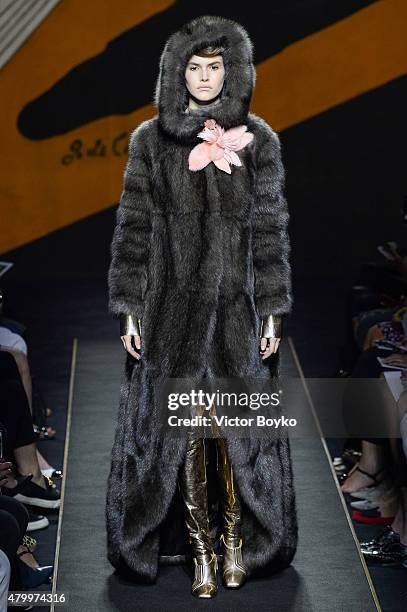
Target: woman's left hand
{"x":269,"y":346}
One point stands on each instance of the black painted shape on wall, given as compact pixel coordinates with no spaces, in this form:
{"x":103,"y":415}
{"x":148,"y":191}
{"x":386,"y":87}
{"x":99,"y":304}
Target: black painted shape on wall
{"x":121,"y":78}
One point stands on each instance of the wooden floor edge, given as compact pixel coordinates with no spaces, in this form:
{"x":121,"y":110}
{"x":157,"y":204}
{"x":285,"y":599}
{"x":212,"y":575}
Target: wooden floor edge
{"x":65,"y":472}
{"x":339,"y":491}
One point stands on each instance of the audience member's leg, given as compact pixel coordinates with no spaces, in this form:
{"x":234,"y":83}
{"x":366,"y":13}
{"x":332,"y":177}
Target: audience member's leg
{"x":18,"y":510}
{"x":20,"y":447}
{"x":24,"y":370}
{"x":8,"y":366}
{"x":10,"y":535}
{"x":369,"y":412}
{"x":13,"y":526}
{"x":372,"y":462}
{"x":358,"y":301}
{"x":368,"y":405}
{"x":15,"y":416}
{"x":5,"y":574}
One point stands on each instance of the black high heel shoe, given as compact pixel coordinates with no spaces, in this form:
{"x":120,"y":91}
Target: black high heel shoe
{"x":21,"y":483}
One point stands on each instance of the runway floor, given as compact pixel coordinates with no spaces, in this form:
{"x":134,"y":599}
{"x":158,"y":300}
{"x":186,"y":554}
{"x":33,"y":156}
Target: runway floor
{"x":327,"y":573}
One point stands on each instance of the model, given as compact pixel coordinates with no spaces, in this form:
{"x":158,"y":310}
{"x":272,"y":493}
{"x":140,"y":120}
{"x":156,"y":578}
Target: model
{"x":200,"y":279}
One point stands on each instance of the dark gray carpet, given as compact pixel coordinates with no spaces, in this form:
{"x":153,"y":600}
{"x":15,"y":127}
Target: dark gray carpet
{"x":326,"y":573}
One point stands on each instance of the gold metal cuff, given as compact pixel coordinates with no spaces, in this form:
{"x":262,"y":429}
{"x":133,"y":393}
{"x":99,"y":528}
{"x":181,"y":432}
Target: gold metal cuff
{"x":129,"y":326}
{"x":271,"y":327}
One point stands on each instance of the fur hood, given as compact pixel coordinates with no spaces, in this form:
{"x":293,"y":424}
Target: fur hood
{"x":171,"y":94}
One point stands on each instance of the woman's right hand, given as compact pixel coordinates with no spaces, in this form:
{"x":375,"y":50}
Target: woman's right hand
{"x":128,"y":345}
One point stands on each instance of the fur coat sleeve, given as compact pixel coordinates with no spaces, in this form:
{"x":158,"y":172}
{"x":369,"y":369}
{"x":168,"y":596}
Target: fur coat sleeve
{"x":127,"y":277}
{"x":270,"y":241}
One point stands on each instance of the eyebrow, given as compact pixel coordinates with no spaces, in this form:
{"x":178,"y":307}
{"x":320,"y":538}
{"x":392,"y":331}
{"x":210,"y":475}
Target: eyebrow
{"x":210,"y":64}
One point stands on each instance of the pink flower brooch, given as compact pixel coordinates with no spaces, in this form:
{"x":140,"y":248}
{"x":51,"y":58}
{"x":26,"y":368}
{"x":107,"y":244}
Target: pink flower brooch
{"x":219,"y":146}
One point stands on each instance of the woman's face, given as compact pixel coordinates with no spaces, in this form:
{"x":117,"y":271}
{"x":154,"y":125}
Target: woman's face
{"x":204,"y":77}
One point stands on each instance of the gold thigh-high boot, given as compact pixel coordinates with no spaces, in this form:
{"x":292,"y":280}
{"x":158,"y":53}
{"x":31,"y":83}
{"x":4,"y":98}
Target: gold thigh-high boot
{"x":234,"y":571}
{"x":194,"y":493}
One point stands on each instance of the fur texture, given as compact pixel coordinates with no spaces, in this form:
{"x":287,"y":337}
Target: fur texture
{"x":200,"y":257}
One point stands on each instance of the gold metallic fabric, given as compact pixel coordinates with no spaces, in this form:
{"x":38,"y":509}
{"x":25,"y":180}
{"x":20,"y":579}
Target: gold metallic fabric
{"x":193,"y":490}
{"x":234,"y":571}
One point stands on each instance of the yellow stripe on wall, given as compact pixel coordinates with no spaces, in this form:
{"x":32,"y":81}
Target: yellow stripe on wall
{"x":332,"y":66}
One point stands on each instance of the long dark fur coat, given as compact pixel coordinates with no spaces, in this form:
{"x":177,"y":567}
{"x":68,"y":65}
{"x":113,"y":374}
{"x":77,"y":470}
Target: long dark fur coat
{"x":200,"y":257}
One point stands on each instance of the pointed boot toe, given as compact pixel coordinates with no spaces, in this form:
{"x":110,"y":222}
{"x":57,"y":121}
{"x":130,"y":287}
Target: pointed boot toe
{"x":234,"y":571}
{"x":235,"y":578}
